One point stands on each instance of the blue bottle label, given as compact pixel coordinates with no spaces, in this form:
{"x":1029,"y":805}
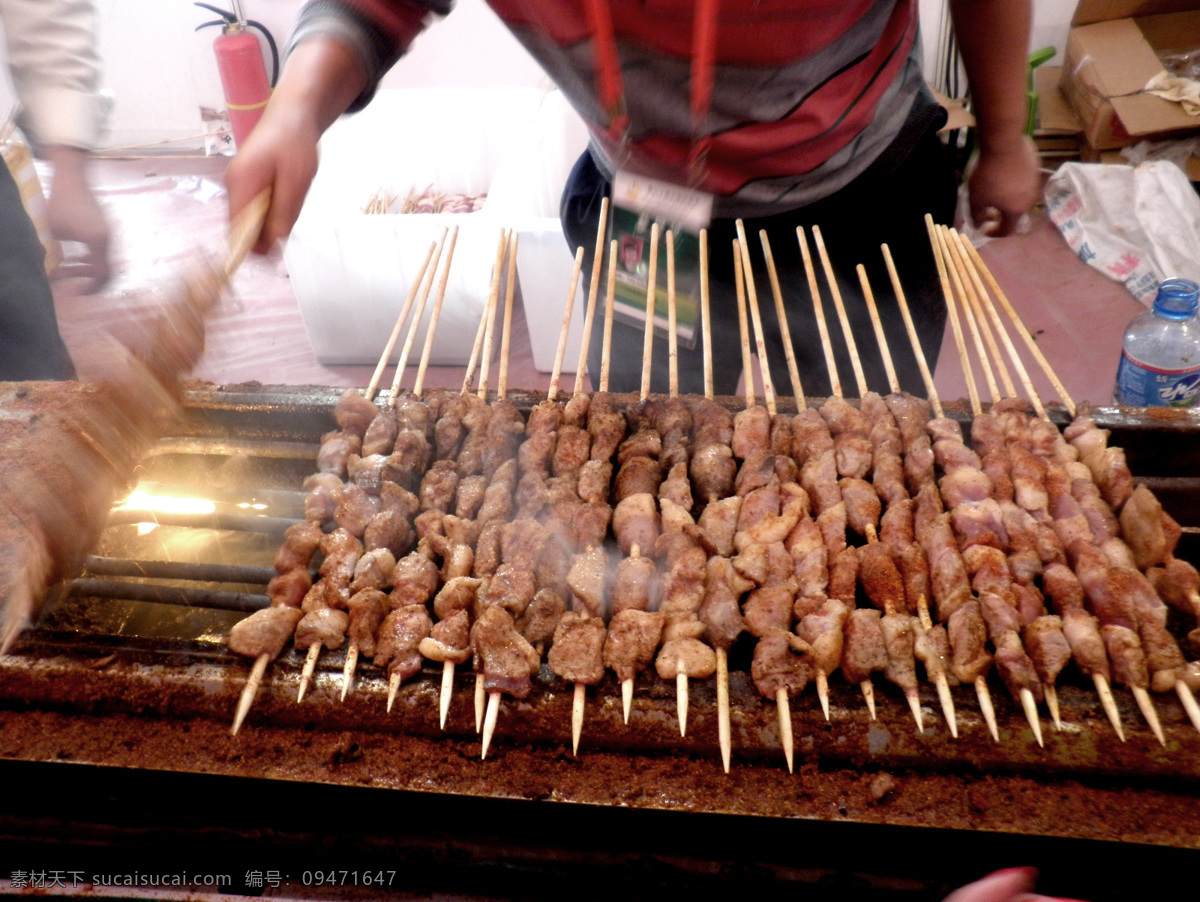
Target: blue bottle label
{"x":1142,"y":385}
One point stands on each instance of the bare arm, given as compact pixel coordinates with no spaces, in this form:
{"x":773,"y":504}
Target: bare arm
{"x":994,"y":37}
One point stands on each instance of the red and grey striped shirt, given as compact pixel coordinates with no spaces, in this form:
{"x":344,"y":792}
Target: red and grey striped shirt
{"x":805,"y":94}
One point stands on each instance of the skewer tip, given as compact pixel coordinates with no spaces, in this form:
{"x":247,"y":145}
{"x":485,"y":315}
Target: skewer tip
{"x":249,"y":691}
{"x":785,"y":727}
{"x":489,"y":722}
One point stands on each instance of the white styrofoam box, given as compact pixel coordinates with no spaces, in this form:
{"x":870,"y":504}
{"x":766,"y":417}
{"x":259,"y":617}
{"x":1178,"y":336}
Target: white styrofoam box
{"x":526,"y":192}
{"x":352,"y":271}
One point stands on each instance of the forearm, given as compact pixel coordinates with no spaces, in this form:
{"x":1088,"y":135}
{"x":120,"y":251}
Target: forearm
{"x":321,"y":78}
{"x":994,"y":39}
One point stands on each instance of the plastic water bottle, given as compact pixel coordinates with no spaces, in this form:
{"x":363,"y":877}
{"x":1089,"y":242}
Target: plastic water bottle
{"x":1160,"y":360}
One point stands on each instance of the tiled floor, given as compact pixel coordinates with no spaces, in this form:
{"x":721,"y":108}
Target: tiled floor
{"x":164,"y":208}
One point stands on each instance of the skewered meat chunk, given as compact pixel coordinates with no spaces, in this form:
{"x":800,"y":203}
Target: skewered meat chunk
{"x":1063,"y":588}
{"x":999,"y":615}
{"x":342,"y":550}
{"x":635,"y":521}
{"x":595,"y":477}
{"x":571,"y":451}
{"x":367,"y":609}
{"x":633,"y":637}
{"x":1014,"y":665}
{"x":1142,"y":529}
{"x":389,"y":530}
{"x":319,"y":503}
{"x":721,"y":612}
{"x":843,"y":575}
{"x":354,"y":413}
{"x":718,"y":524}
{"x":713,"y":470}
{"x":588,"y":579}
{"x":807,"y":547}
{"x":439,"y":486}
{"x":575,"y":411}
{"x":409,"y":459}
{"x":355,"y":508}
{"x":880,"y":578}
{"x":538,"y":621}
{"x":1125,"y":655}
{"x":323,"y":626}
{"x":823,"y":631}
{"x":265,"y":632}
{"x":414,"y":580}
{"x":324,"y":594}
{"x":914,"y":571}
{"x":863,"y":647}
{"x":510,"y":588}
{"x":810,"y":435}
{"x":1178,"y":584}
{"x":863,"y":506}
{"x":380,"y":437}
{"x":635,"y":584}
{"x":448,"y":640}
{"x":300,"y":543}
{"x":288,"y":589}
{"x":577,"y":653}
{"x":399,"y":637}
{"x":1163,"y":656}
{"x":896,"y":525}
{"x":503,"y":655}
{"x":373,"y":570}
{"x":769,"y":608}
{"x":780,"y":663}
{"x":638,"y":475}
{"x":819,"y":478}
{"x":458,"y":594}
{"x":898,"y":641}
{"x":605,"y":426}
{"x":690,"y":655}
{"x":932,"y":648}
{"x":968,"y":638}
{"x":751,"y":432}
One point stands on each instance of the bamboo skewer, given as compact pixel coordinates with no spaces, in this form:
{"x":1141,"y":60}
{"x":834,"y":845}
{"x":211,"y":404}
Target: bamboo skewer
{"x":889,"y":366}
{"x":937,"y":242}
{"x":593,"y":295}
{"x":964,"y":261}
{"x":506,"y":332}
{"x":785,"y":332}
{"x":651,"y":301}
{"x":352,"y":650}
{"x":835,"y":292}
{"x":724,"y":733}
{"x":568,"y":309}
{"x":484,"y":344}
{"x":249,"y":691}
{"x":377,"y":376}
{"x":1141,"y":696}
{"x":975,"y":305}
{"x":782,"y":702}
{"x":939,"y":678}
{"x":580,"y":695}
{"x":426,"y":287}
{"x":866,"y":686}
{"x":672,"y":321}
{"x":705,"y":315}
{"x":493,"y":701}
{"x":985,"y":363}
{"x":981,"y":688}
{"x":1020,"y":327}
{"x":743,"y":326}
{"x":610,"y":294}
{"x":819,"y":310}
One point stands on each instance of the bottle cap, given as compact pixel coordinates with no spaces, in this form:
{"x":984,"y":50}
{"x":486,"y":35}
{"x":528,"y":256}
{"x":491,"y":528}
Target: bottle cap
{"x":1177,"y":299}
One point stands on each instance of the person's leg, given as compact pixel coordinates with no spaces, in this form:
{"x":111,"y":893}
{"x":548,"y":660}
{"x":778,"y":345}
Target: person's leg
{"x":30,"y":345}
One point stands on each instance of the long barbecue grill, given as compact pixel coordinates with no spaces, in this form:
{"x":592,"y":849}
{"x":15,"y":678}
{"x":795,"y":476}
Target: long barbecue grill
{"x":124,"y":690}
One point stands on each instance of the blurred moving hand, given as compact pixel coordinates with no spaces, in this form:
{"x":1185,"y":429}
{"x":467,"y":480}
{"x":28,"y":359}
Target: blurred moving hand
{"x":75,"y":215}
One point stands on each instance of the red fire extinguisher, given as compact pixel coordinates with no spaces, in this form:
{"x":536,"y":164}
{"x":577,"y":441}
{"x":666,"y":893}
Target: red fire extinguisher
{"x":240,"y":62}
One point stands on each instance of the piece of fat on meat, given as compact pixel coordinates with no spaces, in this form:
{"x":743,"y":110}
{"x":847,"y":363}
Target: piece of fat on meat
{"x":265,"y":632}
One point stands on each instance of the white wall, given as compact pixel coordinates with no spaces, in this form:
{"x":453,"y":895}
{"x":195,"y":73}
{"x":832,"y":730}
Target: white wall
{"x":162,"y":71}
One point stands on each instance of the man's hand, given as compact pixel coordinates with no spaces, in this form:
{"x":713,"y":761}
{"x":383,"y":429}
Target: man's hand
{"x":76,"y":216}
{"x":1002,"y":186}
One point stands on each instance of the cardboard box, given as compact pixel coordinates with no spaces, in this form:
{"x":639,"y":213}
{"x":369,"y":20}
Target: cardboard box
{"x":352,"y":271}
{"x":1111,"y":53}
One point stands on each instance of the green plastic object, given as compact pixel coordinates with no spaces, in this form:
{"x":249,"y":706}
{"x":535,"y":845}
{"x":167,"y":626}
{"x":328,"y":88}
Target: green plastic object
{"x":1037,"y":58}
